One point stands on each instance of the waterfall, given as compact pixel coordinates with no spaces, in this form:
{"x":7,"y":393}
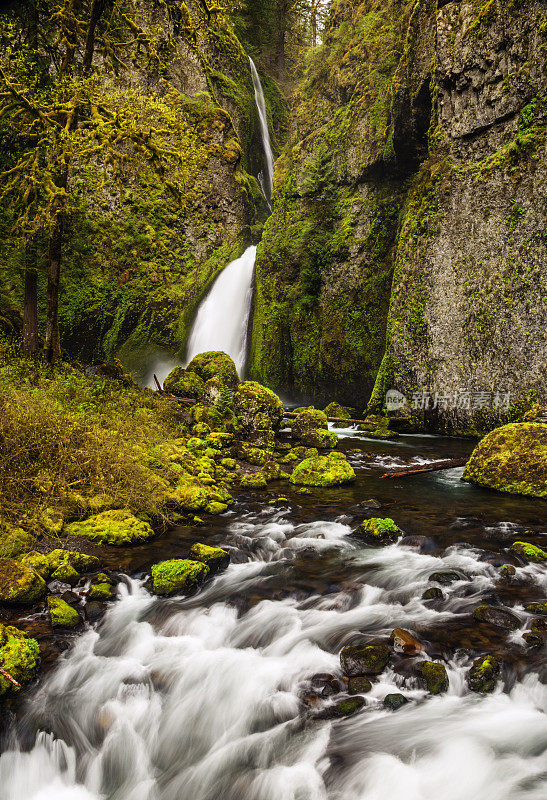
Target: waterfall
{"x":222,"y":320}
{"x":265,"y":178}
{"x":223,"y":316}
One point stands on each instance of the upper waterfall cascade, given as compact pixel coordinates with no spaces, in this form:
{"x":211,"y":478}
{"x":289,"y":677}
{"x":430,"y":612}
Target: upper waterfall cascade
{"x":265,"y":178}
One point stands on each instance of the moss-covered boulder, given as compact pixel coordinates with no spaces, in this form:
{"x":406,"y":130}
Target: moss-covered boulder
{"x":364,"y":659}
{"x":36,"y":561}
{"x":395,"y":701}
{"x":19,"y":657}
{"x":100,"y":587}
{"x":513,"y":459}
{"x":19,"y":585}
{"x":14,"y":541}
{"x":80,"y":561}
{"x":537,"y":608}
{"x":307,"y":420}
{"x":483,"y":675}
{"x":215,"y":364}
{"x":434,"y":676}
{"x":331,"y":470}
{"x":337,"y":411}
{"x":184,"y":383}
{"x":177,"y":575}
{"x":119,"y":528}
{"x":378,"y":531}
{"x":498,"y":616}
{"x":359,"y":684}
{"x":529,"y":552}
{"x":258,"y":409}
{"x":255,"y":480}
{"x":215,"y":558}
{"x":320,"y":438}
{"x":253,"y":455}
{"x":62,"y":615}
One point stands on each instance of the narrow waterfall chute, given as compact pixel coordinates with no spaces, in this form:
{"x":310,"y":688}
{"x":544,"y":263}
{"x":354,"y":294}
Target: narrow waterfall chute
{"x":265,"y":177}
{"x":223,"y":316}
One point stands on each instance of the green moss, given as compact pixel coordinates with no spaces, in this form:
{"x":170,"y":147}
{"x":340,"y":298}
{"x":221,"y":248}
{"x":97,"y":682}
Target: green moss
{"x":177,"y":575}
{"x":258,"y":409}
{"x":215,"y":364}
{"x":435,"y":676}
{"x":14,"y":541}
{"x":536,"y":608}
{"x":100,"y":588}
{"x":19,"y":657}
{"x":529,"y":551}
{"x":38,"y":562}
{"x":19,"y":585}
{"x":214,"y":557}
{"x":62,"y":615}
{"x":484,"y":673}
{"x":384,"y":531}
{"x":307,"y":420}
{"x":331,"y":470}
{"x":184,"y":383}
{"x":254,"y":481}
{"x":362,"y":659}
{"x":118,"y":528}
{"x":513,"y":459}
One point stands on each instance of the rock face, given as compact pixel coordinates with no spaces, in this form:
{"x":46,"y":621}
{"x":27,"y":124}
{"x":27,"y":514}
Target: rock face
{"x":413,"y":183}
{"x":513,"y":459}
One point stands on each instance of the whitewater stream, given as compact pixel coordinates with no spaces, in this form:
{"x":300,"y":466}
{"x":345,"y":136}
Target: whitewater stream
{"x":218,"y":696}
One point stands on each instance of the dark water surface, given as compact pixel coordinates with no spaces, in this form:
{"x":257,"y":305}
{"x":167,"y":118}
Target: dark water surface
{"x":214,"y":696}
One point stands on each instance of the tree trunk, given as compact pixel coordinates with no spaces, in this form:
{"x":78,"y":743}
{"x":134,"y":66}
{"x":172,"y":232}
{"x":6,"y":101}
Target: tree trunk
{"x":282,"y":10}
{"x":52,"y":343}
{"x":97,"y":9}
{"x":30,"y":312}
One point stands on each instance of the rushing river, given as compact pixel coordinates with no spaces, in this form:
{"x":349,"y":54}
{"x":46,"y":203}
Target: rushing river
{"x":207,"y":698}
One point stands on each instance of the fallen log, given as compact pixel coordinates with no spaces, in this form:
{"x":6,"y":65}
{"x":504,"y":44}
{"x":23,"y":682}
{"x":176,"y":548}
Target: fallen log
{"x":293,"y":414}
{"x":186,"y":400}
{"x":448,"y":463}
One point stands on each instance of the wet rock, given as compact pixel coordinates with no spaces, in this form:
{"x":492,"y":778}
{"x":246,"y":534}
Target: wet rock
{"x":62,"y":615}
{"x":529,"y":552}
{"x":537,"y":608}
{"x":359,"y":685}
{"x":325,"y":684}
{"x":500,"y":617}
{"x":331,"y":470}
{"x":343,"y":708}
{"x":100,"y":588}
{"x":539,"y":627}
{"x":422,"y":543}
{"x":433,"y":593}
{"x":215,"y":364}
{"x":66,"y":573}
{"x":512,"y":458}
{"x":484,"y":673}
{"x":404,"y":642}
{"x":445,"y":577}
{"x":215,"y":558}
{"x":19,"y":657}
{"x":59,"y":587}
{"x":94,"y":610}
{"x":507,"y":571}
{"x":184,"y":383}
{"x":118,"y":528}
{"x":363,"y":659}
{"x":532,"y":640}
{"x":256,"y":480}
{"x":378,"y":531}
{"x":19,"y":585}
{"x":395,"y":701}
{"x":435,"y":676}
{"x":177,"y":575}
{"x":463,"y":523}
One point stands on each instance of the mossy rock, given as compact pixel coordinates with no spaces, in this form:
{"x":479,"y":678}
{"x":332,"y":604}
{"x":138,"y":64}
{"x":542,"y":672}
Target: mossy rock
{"x":118,"y":528}
{"x":19,"y":657}
{"x":19,"y":585}
{"x":364,"y":659}
{"x":395,"y":701}
{"x":215,"y":364}
{"x":14,"y":541}
{"x":500,"y":617}
{"x":331,"y":470}
{"x":529,"y":552}
{"x":62,"y":615}
{"x":320,"y":438}
{"x":257,"y":408}
{"x":483,"y":675}
{"x":80,"y":561}
{"x":229,"y":464}
{"x":254,"y":481}
{"x":434,"y":676}
{"x":536,"y":608}
{"x":358,"y":684}
{"x":38,"y":562}
{"x":253,"y":455}
{"x":308,"y":420}
{"x":178,"y":575}
{"x":513,"y":459}
{"x":184,"y":383}
{"x":100,"y":588}
{"x":378,"y":531}
{"x":66,"y":573}
{"x":215,"y":558}
{"x":340,"y":412}
{"x":434,"y":593}
{"x":272,"y":471}
{"x":52,"y":521}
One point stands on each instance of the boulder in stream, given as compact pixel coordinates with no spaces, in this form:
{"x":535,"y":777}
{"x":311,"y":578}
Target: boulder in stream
{"x":62,"y":615}
{"x":512,"y":458}
{"x":331,"y":470}
{"x":529,"y":552}
{"x":434,"y":676}
{"x":495,"y":615}
{"x":215,"y":558}
{"x":395,"y":701}
{"x":483,"y":675}
{"x":19,"y":657}
{"x":378,"y":531}
{"x":19,"y":585}
{"x":364,"y":659}
{"x":177,"y":575}
{"x":119,"y":528}
{"x":215,"y":364}
{"x":405,"y":642}
{"x":358,"y":684}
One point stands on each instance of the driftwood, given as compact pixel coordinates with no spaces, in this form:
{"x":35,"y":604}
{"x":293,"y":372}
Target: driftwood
{"x":10,"y":678}
{"x":189,"y":401}
{"x":293,"y":414}
{"x":448,"y":463}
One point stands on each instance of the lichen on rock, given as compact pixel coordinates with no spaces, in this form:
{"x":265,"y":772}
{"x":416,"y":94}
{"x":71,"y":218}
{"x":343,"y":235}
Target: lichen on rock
{"x":118,"y":528}
{"x":62,"y":615}
{"x":19,"y":585}
{"x":215,"y":558}
{"x":177,"y":575}
{"x":331,"y":470}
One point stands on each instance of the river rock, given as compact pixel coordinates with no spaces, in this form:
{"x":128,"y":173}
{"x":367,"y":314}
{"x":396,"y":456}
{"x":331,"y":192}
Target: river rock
{"x":445,"y":577}
{"x":215,"y":558}
{"x":359,"y":685}
{"x":483,"y":675}
{"x":331,"y":470}
{"x":100,"y":587}
{"x":62,"y":615}
{"x":184,"y":383}
{"x":177,"y":575}
{"x":215,"y":364}
{"x":537,"y":608}
{"x":433,"y":593}
{"x":325,"y":684}
{"x":343,"y":708}
{"x":378,"y":531}
{"x":529,"y":552}
{"x":495,"y":615}
{"x":119,"y":528}
{"x":19,"y":657}
{"x":19,"y":585}
{"x":513,"y":459}
{"x":364,"y":659}
{"x":255,"y":480}
{"x":306,"y":420}
{"x":435,"y":676}
{"x":539,"y":627}
{"x":532,"y":640}
{"x":395,"y":701}
{"x":405,"y":642}
{"x":259,"y":411}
